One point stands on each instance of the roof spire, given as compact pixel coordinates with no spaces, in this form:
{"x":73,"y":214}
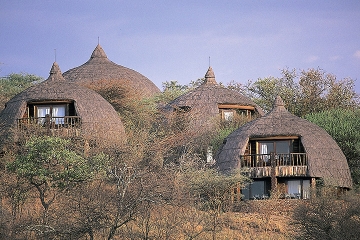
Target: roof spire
{"x":279,"y":104}
{"x":55,"y":73}
{"x":210,"y":76}
{"x":98,"y":52}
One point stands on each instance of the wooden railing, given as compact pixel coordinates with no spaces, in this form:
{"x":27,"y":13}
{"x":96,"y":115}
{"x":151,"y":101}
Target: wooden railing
{"x":266,"y":160}
{"x":50,"y":122}
{"x":265,"y":165}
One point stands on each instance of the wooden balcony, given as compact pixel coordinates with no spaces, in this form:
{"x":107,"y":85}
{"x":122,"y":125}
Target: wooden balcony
{"x":55,"y":126}
{"x":281,"y":165}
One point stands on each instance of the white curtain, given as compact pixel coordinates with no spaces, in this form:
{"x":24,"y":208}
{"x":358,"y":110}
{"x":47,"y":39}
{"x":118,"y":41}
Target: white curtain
{"x":228,"y":116}
{"x":264,"y":150}
{"x":306,"y":189}
{"x":294,"y":186}
{"x":41,"y":113}
{"x":58,"y":111}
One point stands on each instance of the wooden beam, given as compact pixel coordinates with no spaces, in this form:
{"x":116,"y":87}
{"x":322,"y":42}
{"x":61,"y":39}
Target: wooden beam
{"x":235,"y":106}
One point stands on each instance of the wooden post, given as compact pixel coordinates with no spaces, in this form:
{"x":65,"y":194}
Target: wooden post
{"x":313,"y":187}
{"x":273,"y":172}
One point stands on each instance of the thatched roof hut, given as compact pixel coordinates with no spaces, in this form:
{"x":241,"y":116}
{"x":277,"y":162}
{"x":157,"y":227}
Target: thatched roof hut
{"x":211,"y":100}
{"x":99,"y":69}
{"x":325,"y":159}
{"x":99,"y":121}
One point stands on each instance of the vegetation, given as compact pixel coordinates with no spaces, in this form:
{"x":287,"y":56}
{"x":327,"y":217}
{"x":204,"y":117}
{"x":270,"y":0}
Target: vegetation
{"x":307,"y":92}
{"x":13,"y":84}
{"x":328,"y":216}
{"x":343,"y":125}
{"x":159,"y":186}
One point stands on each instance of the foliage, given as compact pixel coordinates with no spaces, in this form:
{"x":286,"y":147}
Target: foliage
{"x":343,"y":125}
{"x":48,"y":160}
{"x":15,"y":83}
{"x":329,"y":217}
{"x":306,"y":92}
{"x":47,"y":164}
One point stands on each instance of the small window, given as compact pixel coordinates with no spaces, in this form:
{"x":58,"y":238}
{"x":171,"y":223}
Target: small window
{"x":228,"y":115}
{"x":184,"y":109}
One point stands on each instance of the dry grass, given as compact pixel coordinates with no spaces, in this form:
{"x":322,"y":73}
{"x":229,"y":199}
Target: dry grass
{"x":262,"y":219}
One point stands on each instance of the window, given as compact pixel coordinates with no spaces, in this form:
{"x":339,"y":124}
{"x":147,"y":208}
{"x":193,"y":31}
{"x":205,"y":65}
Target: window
{"x":298,"y":188}
{"x":56,"y":112}
{"x":231,"y":112}
{"x":280,"y":147}
{"x":265,"y":148}
{"x":228,"y":115}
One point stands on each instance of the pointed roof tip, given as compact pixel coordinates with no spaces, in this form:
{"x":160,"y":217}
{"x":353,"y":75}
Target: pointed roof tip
{"x":210,"y":76}
{"x":55,"y":69}
{"x":278,"y":103}
{"x":98,"y":52}
{"x":55,"y":72}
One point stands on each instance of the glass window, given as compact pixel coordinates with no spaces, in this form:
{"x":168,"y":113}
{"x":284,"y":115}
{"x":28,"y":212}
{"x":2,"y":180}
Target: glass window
{"x":282,"y":146}
{"x":228,"y":115}
{"x":267,"y":147}
{"x":57,"y":112}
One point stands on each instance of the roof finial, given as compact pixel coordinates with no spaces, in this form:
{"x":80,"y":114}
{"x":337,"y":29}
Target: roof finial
{"x":55,"y":54}
{"x":210,"y":77}
{"x":209,"y":62}
{"x":98,"y":40}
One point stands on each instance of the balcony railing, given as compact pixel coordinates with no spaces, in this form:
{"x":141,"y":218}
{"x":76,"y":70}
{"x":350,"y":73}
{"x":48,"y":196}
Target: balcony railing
{"x":50,"y":122}
{"x":283,"y":164}
{"x":266,"y":160}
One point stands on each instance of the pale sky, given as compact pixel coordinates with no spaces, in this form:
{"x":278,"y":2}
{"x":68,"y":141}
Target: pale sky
{"x":173,"y":40}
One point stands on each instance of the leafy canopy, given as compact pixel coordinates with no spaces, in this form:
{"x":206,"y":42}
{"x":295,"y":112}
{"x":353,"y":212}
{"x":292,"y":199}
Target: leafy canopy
{"x":48,"y":160}
{"x":306,"y":92}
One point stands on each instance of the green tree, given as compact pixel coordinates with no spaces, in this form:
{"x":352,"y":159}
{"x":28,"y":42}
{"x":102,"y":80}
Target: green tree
{"x":15,"y":83}
{"x":49,"y":165}
{"x":309,"y":91}
{"x":343,"y":125}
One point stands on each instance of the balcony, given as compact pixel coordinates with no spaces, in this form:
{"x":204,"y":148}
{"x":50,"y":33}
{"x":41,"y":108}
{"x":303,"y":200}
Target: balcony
{"x":282,"y":165}
{"x":55,"y":126}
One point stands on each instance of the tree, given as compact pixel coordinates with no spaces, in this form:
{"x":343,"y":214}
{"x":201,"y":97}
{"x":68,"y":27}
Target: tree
{"x":213,"y":191}
{"x":48,"y":165}
{"x":15,"y":83}
{"x":343,"y":125}
{"x":306,"y":92}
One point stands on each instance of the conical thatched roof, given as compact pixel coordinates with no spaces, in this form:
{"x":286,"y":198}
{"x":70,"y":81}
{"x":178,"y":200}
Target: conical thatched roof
{"x":325,"y":158}
{"x":100,"y":68}
{"x":204,"y":100}
{"x":99,"y":120}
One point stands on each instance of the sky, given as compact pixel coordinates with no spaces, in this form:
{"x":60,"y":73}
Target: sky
{"x":169,"y":40}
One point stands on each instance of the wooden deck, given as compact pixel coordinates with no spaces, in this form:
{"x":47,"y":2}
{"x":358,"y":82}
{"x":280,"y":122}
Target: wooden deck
{"x":280,"y":171}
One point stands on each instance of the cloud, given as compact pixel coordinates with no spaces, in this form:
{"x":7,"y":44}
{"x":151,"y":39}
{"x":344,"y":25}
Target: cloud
{"x":312,"y":59}
{"x":357,"y":54}
{"x":335,"y":58}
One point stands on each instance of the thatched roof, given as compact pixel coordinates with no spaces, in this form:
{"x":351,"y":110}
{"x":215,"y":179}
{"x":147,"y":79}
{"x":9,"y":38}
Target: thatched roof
{"x":99,"y":119}
{"x":204,"y":100}
{"x":325,"y":158}
{"x":100,"y":68}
